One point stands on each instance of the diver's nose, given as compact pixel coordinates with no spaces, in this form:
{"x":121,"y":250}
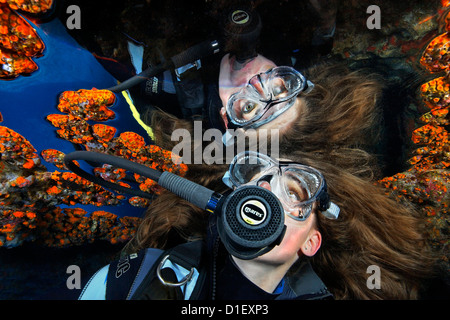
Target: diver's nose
{"x":265,"y":185}
{"x":257,"y":85}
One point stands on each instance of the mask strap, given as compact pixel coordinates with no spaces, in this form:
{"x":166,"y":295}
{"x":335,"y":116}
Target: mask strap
{"x":332,"y":212}
{"x":309,"y":86}
{"x":227,"y":180}
{"x":326,"y":207}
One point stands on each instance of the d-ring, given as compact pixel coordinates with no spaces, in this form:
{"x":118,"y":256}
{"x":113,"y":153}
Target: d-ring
{"x":172,"y":284}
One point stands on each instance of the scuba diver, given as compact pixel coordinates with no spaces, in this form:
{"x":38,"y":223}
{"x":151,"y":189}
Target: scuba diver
{"x":336,"y":225}
{"x":189,"y":89}
{"x":217,"y":267}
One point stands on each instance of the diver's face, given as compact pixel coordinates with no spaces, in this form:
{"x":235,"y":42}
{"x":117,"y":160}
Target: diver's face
{"x":231,"y":81}
{"x":301,"y":237}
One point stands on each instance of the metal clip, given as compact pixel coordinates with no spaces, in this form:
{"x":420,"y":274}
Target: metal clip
{"x":172,"y":284}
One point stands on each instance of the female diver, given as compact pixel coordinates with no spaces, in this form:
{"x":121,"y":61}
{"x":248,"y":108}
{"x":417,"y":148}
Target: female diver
{"x":227,"y":273}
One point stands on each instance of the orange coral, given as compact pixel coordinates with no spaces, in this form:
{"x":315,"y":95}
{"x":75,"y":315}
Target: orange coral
{"x":88,"y":104}
{"x":100,"y":138}
{"x":29,"y":196}
{"x":72,"y":128}
{"x":38,"y":217}
{"x":427,"y":181}
{"x":18,"y":42}
{"x":139,"y":202}
{"x":16,"y":148}
{"x":12,"y":65}
{"x":30,"y":6}
{"x":131,"y":143}
{"x":17,"y":35}
{"x":103,"y":133}
{"x":56,"y":157}
{"x":436,"y":57}
{"x":436,"y":93}
{"x":74,"y":227}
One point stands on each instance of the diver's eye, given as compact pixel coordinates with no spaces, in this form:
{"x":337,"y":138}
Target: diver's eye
{"x":248,"y":107}
{"x":296,"y":192}
{"x":294,"y":195}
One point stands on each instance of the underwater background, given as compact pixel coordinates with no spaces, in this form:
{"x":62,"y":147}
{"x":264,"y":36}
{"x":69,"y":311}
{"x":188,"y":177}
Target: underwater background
{"x":54,"y":100}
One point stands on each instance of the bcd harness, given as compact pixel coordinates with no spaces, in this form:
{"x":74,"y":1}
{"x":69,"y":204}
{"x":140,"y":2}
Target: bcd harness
{"x":180,"y":274}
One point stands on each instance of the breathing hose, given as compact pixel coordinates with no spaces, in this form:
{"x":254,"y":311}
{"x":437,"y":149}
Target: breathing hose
{"x":190,"y":55}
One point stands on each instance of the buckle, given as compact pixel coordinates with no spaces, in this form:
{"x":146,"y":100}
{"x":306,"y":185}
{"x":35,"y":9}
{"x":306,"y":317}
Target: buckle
{"x":172,"y":284}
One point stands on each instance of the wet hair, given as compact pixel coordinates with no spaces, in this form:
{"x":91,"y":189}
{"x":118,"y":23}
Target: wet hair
{"x":374,"y":229}
{"x":340,"y":113}
{"x":170,"y":220}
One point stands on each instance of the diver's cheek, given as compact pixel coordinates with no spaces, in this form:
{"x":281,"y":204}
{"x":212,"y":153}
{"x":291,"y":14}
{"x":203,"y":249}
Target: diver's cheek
{"x":223,"y":115}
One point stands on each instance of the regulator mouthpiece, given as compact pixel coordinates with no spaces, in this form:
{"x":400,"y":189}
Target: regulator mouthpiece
{"x":241,"y":29}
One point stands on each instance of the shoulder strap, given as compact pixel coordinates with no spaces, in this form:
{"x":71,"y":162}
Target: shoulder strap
{"x":134,"y":276}
{"x":188,"y":256}
{"x":127,"y":273}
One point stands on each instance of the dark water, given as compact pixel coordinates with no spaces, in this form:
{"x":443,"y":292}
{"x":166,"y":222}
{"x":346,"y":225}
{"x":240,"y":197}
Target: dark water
{"x":32,"y":272}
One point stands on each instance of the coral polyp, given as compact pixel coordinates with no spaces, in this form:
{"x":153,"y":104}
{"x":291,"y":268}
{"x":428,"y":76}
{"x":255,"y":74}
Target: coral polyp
{"x":436,"y":93}
{"x":12,"y":65}
{"x":28,"y":192}
{"x":17,"y":35}
{"x":16,"y":149}
{"x":436,"y":57}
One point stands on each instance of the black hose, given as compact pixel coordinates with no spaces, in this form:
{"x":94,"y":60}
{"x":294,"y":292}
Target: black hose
{"x":192,"y":54}
{"x":186,"y":189}
{"x":143,"y":76}
{"x":96,"y":157}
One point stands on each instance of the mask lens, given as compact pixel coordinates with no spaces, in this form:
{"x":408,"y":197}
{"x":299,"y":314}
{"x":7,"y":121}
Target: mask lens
{"x":297,"y":186}
{"x":258,"y":86}
{"x":308,"y":183}
{"x":245,"y":109}
{"x":296,"y":190}
{"x":249,"y":167}
{"x":266,"y":96}
{"x":284,"y":83}
{"x":300,"y":191}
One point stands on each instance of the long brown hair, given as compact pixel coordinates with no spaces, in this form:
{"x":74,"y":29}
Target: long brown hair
{"x":373,"y":229}
{"x":341,"y":112}
{"x":170,"y":220}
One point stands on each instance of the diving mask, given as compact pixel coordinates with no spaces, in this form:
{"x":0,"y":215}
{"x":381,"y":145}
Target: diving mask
{"x":297,"y":186}
{"x":266,"y":96}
